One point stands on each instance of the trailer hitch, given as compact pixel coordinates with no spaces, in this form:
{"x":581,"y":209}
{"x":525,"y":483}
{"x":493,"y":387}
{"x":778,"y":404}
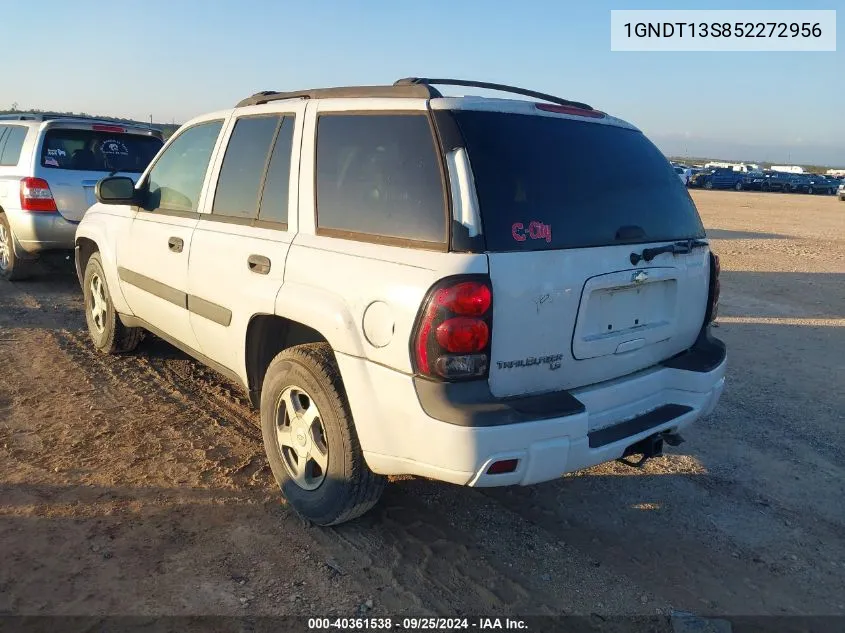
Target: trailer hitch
{"x":651,"y":446}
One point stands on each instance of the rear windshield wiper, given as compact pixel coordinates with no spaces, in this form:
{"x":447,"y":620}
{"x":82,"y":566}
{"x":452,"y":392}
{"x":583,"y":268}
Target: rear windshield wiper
{"x":676,"y":248}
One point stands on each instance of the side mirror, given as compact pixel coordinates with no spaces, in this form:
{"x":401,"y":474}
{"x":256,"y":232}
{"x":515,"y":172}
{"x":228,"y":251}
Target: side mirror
{"x":115,"y":190}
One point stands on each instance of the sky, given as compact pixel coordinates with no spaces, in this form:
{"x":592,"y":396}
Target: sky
{"x":175,"y":59}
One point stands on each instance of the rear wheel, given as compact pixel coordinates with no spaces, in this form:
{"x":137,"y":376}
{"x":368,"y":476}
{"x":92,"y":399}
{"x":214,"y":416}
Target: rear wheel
{"x":12,"y":267}
{"x":107,"y":332}
{"x":738,"y":186}
{"x":310,"y":438}
{"x":708,"y":184}
{"x":810,"y":190}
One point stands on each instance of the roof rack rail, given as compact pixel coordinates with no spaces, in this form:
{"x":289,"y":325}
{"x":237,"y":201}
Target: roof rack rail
{"x":411,"y":91}
{"x":425,"y":81}
{"x":49,"y":116}
{"x":18,"y":116}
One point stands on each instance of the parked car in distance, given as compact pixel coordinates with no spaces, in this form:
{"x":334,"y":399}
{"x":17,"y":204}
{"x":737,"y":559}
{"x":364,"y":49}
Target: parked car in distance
{"x":684,"y":173}
{"x":776,"y":181}
{"x":753,"y":180}
{"x":718,"y":178}
{"x":406,"y":283}
{"x":701,"y":178}
{"x":49,"y":165}
{"x":840,"y":191}
{"x":818,"y":184}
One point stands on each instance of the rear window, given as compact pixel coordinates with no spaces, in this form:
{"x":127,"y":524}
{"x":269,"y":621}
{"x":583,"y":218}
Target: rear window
{"x":89,"y":150}
{"x":550,"y":183}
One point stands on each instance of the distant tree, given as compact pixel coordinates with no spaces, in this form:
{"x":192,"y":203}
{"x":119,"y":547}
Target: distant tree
{"x":15,"y":106}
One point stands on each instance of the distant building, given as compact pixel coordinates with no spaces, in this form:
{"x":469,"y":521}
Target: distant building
{"x":839,"y":173}
{"x":790,"y":169}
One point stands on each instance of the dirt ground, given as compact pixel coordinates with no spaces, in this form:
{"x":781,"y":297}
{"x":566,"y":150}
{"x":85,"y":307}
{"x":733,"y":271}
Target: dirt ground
{"x":138,"y":485}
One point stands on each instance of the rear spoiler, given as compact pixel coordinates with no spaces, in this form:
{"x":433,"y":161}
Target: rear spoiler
{"x":104,"y":126}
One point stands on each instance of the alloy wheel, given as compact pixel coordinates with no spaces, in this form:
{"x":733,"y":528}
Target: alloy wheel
{"x":301,"y":438}
{"x":99,"y":303}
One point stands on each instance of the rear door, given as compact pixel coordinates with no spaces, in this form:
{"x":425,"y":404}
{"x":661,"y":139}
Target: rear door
{"x":241,"y":242}
{"x":72,"y":157}
{"x":567,"y":207}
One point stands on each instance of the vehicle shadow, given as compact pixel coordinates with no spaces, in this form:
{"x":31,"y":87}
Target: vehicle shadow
{"x":787,"y":295}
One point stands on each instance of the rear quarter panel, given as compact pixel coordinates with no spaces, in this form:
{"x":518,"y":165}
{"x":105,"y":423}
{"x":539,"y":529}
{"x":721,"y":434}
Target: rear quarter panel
{"x":362,"y":297}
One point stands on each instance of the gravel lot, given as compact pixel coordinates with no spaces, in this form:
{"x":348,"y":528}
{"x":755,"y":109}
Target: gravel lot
{"x":138,"y":485}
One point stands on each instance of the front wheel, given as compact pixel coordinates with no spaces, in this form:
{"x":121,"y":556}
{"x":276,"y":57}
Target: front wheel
{"x":708,"y":185}
{"x":738,"y":186}
{"x":810,"y":190}
{"x":107,"y":332}
{"x":310,"y":438}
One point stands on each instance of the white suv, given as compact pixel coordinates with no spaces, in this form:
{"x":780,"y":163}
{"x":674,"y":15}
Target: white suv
{"x":408,"y":283}
{"x":49,"y":165}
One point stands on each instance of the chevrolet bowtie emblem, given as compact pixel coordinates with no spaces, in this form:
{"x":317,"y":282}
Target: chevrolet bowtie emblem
{"x":639,"y":277}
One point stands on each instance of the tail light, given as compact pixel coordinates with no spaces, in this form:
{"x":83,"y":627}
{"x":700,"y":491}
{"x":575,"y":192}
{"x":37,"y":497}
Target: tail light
{"x":713,"y":294}
{"x":108,"y":128}
{"x":451,"y":339}
{"x":36,"y":196}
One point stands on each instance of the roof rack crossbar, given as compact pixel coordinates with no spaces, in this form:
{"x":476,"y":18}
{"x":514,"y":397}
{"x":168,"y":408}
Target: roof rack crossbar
{"x":425,"y":81}
{"x":395,"y":91}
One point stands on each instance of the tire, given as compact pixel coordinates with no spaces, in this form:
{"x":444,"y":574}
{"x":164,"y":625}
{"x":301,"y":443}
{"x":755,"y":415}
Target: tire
{"x":343,"y":487}
{"x":107,"y":332}
{"x":12,"y":268}
{"x":708,"y":184}
{"x":738,"y":186}
{"x":810,"y":190}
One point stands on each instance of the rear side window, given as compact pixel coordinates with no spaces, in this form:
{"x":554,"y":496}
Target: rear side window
{"x":550,"y":183}
{"x":12,"y":144}
{"x":92,"y":150}
{"x":378,"y":176}
{"x":239,"y":183}
{"x":274,"y":198}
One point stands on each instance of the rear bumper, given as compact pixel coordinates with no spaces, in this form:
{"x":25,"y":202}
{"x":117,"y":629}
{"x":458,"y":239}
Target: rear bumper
{"x":398,"y":436}
{"x":36,"y":232}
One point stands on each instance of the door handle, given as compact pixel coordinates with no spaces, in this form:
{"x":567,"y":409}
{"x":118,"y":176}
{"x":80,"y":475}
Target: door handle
{"x":175,"y":244}
{"x":258,"y":264}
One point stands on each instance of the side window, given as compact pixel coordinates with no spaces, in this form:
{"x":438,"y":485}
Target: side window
{"x":379,"y":175}
{"x":175,"y":182}
{"x":239,"y":183}
{"x":12,"y":145}
{"x":274,"y":198}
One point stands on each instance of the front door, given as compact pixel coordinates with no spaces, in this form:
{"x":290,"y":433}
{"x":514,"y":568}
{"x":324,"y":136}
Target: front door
{"x":153,"y":266}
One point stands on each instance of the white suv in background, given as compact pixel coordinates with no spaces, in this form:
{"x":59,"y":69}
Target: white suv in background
{"x":408,"y":283}
{"x":49,"y":165}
